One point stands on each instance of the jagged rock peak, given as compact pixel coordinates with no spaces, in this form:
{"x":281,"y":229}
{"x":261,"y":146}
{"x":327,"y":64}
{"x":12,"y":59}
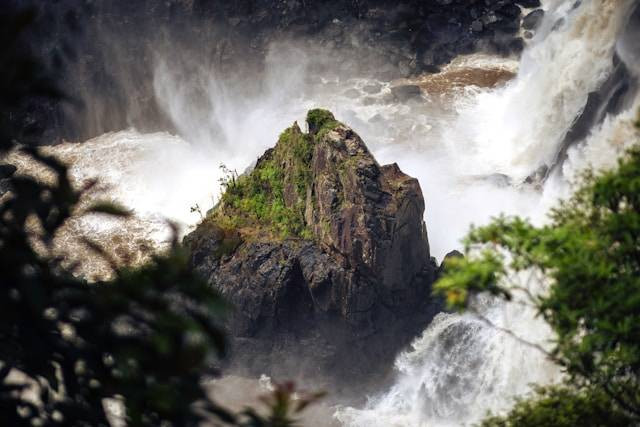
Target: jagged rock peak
{"x":320,"y":241}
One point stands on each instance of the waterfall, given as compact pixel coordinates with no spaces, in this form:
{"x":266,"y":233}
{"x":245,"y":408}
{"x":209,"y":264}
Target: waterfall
{"x":518,"y":129}
{"x":461,"y":368}
{"x":473,"y":149}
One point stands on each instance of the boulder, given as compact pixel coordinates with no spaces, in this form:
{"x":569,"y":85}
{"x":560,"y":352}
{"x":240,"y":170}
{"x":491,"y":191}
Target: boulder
{"x":324,"y":255}
{"x":533,"y":19}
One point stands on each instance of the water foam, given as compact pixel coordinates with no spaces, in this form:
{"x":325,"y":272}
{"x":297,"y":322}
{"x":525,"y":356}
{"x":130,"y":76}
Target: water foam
{"x":460,"y":368}
{"x":516,"y":130}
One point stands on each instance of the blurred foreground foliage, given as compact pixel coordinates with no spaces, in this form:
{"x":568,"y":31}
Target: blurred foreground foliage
{"x":588,"y":256}
{"x":562,"y":407}
{"x":147,"y":338}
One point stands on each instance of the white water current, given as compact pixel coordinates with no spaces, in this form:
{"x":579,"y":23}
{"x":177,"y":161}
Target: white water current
{"x":460,"y":368}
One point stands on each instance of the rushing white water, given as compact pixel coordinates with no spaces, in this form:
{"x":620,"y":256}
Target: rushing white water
{"x":517,"y":129}
{"x":461,"y":368}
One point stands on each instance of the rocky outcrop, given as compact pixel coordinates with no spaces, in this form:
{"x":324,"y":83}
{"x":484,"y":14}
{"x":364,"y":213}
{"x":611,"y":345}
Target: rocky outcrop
{"x":7,"y":170}
{"x":324,"y":255}
{"x":533,"y":19}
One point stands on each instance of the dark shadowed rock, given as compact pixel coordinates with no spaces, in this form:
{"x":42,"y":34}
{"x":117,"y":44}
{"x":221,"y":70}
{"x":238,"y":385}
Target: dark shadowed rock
{"x":529,"y":3}
{"x":509,"y":12}
{"x":538,"y":176}
{"x":7,"y":170}
{"x":615,"y":94}
{"x":533,"y":19}
{"x":338,"y":294}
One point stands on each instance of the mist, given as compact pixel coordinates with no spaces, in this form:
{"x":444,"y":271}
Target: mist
{"x":220,"y":117}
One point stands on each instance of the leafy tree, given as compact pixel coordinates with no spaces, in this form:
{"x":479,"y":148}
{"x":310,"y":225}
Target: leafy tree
{"x":561,"y":407}
{"x":146,"y":338}
{"x":589,"y":254}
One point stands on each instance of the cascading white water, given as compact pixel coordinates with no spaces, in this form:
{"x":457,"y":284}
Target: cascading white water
{"x":515,"y":130}
{"x":458,"y":370}
{"x":461,"y":368}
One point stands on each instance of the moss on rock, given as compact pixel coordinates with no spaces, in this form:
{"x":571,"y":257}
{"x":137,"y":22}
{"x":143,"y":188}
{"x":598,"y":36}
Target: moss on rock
{"x":320,"y":121}
{"x":270,"y":201}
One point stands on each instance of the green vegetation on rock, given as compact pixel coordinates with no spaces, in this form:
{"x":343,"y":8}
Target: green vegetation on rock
{"x":270,"y":200}
{"x":320,"y":121}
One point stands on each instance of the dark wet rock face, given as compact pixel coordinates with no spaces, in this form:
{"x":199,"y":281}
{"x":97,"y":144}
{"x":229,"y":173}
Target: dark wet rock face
{"x":7,"y":170}
{"x":533,"y":19}
{"x":337,"y":297}
{"x":529,"y":3}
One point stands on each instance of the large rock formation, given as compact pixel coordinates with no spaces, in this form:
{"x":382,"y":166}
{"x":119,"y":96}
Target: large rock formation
{"x":323,"y":253}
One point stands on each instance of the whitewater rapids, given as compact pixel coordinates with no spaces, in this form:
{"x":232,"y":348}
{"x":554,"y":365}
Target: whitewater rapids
{"x":460,"y":369}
